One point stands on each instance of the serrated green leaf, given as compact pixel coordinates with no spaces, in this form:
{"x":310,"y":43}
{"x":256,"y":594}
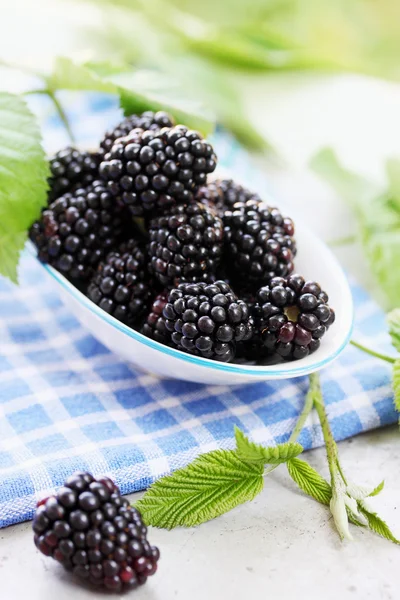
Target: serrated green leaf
{"x":393,"y":320}
{"x":377,"y":490}
{"x":23,"y":179}
{"x":137,"y":90}
{"x":309,"y":480}
{"x":273,"y":455}
{"x":396,"y":384}
{"x":210,"y":486}
{"x":376,"y":524}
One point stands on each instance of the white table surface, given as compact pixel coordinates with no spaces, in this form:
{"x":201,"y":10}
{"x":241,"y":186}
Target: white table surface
{"x":282,"y":545}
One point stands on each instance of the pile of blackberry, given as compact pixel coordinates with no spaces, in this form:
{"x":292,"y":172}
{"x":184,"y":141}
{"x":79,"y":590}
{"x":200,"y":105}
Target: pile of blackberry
{"x":201,"y":265}
{"x":95,"y":533}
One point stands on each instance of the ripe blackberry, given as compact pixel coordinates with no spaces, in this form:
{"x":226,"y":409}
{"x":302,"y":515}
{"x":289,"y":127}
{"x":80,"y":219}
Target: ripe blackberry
{"x":120,"y":284}
{"x":90,"y":529}
{"x":145,"y":121}
{"x":155,"y":327}
{"x":71,"y":168}
{"x":207,"y":320}
{"x":222,"y":194}
{"x":291,"y":316}
{"x":150,"y":169}
{"x":259,"y":241}
{"x":76,"y":230}
{"x":186,"y":244}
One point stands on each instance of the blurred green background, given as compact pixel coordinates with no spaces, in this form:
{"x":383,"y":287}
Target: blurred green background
{"x":309,"y":87}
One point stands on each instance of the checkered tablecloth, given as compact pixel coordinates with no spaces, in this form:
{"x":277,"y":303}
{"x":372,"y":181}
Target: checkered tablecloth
{"x":67,"y":403}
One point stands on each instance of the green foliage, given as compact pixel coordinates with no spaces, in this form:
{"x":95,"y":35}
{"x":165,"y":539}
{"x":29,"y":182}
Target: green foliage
{"x":138,"y":90}
{"x":23,"y":179}
{"x":208,"y":487}
{"x":273,"y":455}
{"x":378,"y":214}
{"x":376,"y":524}
{"x":393,"y":320}
{"x":396,"y":384}
{"x":309,"y":480}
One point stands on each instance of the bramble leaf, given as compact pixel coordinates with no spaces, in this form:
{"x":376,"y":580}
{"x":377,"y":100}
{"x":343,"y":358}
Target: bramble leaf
{"x":210,"y":486}
{"x":309,"y":480}
{"x":23,"y":179}
{"x":273,"y":455}
{"x":393,"y":319}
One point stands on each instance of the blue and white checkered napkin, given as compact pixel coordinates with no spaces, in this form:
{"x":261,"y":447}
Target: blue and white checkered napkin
{"x":67,"y":403}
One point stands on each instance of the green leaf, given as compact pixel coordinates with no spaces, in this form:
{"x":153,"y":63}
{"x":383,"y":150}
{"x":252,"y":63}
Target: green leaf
{"x":138,"y":90}
{"x":376,"y":524}
{"x":393,"y":320}
{"x":210,"y":486}
{"x":309,"y":480}
{"x":377,"y":490}
{"x":396,"y":384}
{"x":378,"y":220}
{"x":23,"y":179}
{"x":393,"y":175}
{"x":273,"y":455}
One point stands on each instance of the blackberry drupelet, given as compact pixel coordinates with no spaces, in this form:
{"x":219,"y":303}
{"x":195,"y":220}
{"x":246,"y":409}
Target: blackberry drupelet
{"x":259,"y":242}
{"x":186,"y":244}
{"x":90,"y":529}
{"x":121,"y":286}
{"x":207,"y":320}
{"x":76,"y":230}
{"x":70,"y":168}
{"x":155,"y":327}
{"x":157,"y":169}
{"x":291,"y":316}
{"x":145,"y":121}
{"x":222,"y":194}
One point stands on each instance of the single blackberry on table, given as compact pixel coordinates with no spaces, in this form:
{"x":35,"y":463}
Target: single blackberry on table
{"x":90,"y":529}
{"x":186,"y":244}
{"x":145,"y":121}
{"x":156,"y":169}
{"x":207,"y":320}
{"x":70,"y":168}
{"x":120,"y":285}
{"x":154,"y":326}
{"x":222,"y":194}
{"x":76,"y":230}
{"x":291,"y":316}
{"x":259,"y":242}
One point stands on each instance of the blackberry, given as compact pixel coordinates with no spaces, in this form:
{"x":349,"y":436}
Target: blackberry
{"x":207,"y":320}
{"x":70,"y":168}
{"x":90,"y":529}
{"x":120,"y":285}
{"x":156,"y":169}
{"x":155,"y":327}
{"x":222,"y":194}
{"x":259,"y":241}
{"x":76,"y":230}
{"x":186,"y":243}
{"x":292,"y":315}
{"x":145,"y":121}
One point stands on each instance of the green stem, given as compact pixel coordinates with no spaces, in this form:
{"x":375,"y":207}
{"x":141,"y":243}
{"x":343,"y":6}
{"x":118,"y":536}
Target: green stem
{"x":371,"y":352}
{"x":307,"y":408}
{"x":308,"y":404}
{"x":331,"y":448}
{"x":61,"y":113}
{"x":344,"y":241}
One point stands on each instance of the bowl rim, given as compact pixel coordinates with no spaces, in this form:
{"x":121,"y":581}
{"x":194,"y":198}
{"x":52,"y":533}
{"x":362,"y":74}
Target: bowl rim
{"x":268,"y":371}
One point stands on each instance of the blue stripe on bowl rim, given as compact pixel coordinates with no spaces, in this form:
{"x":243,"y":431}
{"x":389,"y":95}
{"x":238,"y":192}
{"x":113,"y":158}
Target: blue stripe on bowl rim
{"x":260,"y":371}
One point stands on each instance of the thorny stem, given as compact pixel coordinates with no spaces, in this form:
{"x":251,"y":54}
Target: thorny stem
{"x":331,"y":448}
{"x":371,"y":352}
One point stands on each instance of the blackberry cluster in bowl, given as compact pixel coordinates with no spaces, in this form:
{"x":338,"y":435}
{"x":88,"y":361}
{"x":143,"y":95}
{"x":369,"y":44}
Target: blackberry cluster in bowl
{"x":202,"y":265}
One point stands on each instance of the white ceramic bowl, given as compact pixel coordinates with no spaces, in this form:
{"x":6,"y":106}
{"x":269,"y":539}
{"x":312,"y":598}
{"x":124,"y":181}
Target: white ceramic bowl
{"x":314,"y":260}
